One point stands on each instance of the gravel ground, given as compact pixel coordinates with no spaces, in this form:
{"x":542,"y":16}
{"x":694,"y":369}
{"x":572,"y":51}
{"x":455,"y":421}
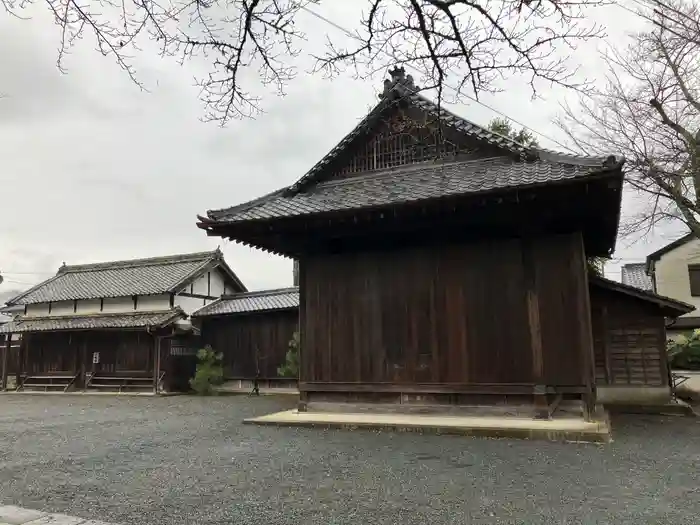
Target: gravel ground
{"x":188,"y":460}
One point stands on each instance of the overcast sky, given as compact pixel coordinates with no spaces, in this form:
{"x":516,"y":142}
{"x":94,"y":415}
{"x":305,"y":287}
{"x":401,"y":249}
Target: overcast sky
{"x":93,"y":169}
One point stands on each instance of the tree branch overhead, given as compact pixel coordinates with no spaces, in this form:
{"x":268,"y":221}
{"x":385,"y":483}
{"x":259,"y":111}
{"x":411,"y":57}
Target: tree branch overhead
{"x":467,"y":44}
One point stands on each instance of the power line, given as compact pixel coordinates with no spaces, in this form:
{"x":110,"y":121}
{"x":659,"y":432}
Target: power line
{"x":27,"y":273}
{"x":18,"y":282}
{"x":455,"y":90}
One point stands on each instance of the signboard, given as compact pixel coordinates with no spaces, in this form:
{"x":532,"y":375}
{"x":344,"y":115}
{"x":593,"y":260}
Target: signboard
{"x":95,"y":358}
{"x":182,"y":350}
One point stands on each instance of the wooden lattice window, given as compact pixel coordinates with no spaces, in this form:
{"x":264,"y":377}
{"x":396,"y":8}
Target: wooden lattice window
{"x":400,"y":141}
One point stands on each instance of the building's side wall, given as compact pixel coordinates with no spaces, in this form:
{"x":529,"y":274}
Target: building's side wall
{"x":216,"y":283}
{"x":629,"y":340}
{"x":447,"y":318}
{"x":190,"y":304}
{"x":671,"y":273}
{"x":204,"y":290}
{"x":241,"y":337}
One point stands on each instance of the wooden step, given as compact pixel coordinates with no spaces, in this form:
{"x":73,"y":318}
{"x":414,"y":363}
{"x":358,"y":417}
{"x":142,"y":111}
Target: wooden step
{"x":49,"y":377}
{"x":42,"y":385}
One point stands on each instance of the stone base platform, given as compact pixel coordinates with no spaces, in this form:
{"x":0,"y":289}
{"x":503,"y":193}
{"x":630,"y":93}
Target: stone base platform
{"x":558,"y":429}
{"x":679,"y":408}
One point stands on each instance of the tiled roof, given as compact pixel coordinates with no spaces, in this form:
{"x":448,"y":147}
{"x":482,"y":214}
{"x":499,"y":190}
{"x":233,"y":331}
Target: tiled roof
{"x":93,"y":321}
{"x":670,"y":307}
{"x":635,"y":274}
{"x":280,"y":299}
{"x":309,"y":194}
{"x":123,"y":278}
{"x":410,"y":183}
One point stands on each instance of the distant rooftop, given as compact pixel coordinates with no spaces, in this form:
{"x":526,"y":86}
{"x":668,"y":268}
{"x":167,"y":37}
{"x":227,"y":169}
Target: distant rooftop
{"x":265,"y":300}
{"x":634,"y":274}
{"x":154,"y":275}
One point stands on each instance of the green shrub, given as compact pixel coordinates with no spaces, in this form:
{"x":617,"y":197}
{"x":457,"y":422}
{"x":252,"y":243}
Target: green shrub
{"x":684,"y":353}
{"x":291,"y":366}
{"x":210,"y":371}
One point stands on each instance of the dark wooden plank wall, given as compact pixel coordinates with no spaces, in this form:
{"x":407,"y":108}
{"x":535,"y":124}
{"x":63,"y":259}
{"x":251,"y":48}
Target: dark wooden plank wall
{"x":50,"y":353}
{"x":629,"y":340}
{"x":451,"y":315}
{"x":239,"y":337}
{"x":122,"y":353}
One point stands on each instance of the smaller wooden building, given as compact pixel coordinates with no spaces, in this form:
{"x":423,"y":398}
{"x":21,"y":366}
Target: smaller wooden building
{"x":253,"y":331}
{"x":120,"y":325}
{"x":629,"y":341}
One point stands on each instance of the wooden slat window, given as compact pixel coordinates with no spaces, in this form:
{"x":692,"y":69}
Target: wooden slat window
{"x":694,"y":274}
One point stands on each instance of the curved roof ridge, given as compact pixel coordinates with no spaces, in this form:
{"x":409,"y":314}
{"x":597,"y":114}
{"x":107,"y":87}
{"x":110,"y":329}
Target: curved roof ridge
{"x":145,"y":261}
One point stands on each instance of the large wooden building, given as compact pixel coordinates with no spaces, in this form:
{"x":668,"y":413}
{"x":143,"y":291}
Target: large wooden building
{"x":115,"y":326}
{"x":253,"y":331}
{"x":439,"y":262}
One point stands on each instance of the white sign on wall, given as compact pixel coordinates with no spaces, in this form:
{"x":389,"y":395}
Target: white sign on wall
{"x":95,"y":358}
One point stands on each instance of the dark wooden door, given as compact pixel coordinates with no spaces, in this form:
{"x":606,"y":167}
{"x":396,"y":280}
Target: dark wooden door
{"x":102,"y":353}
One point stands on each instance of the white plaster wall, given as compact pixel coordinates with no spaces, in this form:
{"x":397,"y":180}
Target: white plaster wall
{"x":88,"y":306}
{"x":146,"y":303}
{"x":189,"y":304}
{"x":217,"y":283}
{"x":37,"y":310}
{"x":62,"y":308}
{"x":199,"y":286}
{"x":149,"y":303}
{"x":112,"y":305}
{"x":671,"y":273}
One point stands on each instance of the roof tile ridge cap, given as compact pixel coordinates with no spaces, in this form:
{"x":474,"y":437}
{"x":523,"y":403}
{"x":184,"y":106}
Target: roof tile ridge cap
{"x":259,"y":293}
{"x":143,"y":261}
{"x":608,"y":161}
{"x":522,"y":150}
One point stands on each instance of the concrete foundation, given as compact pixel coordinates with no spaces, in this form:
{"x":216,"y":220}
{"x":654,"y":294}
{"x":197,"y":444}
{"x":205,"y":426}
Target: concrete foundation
{"x":560,"y":429}
{"x":245,"y":386}
{"x":632,"y":395}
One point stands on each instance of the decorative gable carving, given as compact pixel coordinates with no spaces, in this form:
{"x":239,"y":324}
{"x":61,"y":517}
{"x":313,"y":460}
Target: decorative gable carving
{"x":408,"y":136}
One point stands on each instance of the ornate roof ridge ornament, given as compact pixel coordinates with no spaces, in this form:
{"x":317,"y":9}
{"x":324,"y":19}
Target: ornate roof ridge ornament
{"x":400,"y":80}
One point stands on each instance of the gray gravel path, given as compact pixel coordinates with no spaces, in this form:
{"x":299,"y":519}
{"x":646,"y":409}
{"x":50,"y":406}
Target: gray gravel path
{"x":187,"y":460}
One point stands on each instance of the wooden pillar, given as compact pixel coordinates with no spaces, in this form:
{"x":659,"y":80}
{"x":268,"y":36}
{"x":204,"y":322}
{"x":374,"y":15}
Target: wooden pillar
{"x":5,"y":357}
{"x":533,"y":314}
{"x":156,"y":362}
{"x":583,"y":314}
{"x":606,"y":347}
{"x":83,"y":363}
{"x":19,"y":365}
{"x":303,"y":360}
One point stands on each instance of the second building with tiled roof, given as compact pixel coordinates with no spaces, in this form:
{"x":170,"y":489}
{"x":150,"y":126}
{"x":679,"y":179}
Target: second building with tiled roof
{"x":110,"y":325}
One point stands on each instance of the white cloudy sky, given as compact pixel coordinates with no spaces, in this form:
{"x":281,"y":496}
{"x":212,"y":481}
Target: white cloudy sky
{"x":94,"y":169}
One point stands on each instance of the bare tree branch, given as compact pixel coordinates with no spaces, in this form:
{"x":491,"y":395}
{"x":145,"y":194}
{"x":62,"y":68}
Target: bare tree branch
{"x":468,"y":43}
{"x":649,"y":111}
{"x":471,"y":43}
